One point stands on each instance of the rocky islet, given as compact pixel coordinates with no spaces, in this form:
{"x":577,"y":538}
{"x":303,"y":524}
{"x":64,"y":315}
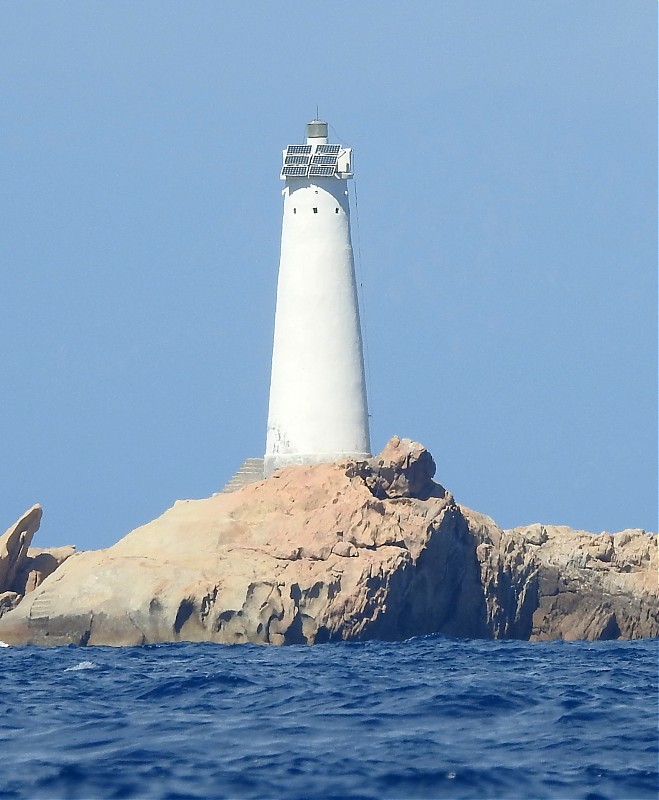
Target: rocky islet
{"x":327,"y":552}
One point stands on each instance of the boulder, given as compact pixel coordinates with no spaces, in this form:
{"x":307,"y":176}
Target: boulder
{"x":349,"y":550}
{"x":39,"y":564}
{"x":23,"y":568}
{"x":403,"y":469}
{"x":14,"y":544}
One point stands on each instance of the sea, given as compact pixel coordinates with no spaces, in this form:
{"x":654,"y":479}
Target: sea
{"x":431,"y":717}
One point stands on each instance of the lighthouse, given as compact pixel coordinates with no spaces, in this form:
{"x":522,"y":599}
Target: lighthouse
{"x":318,"y":410}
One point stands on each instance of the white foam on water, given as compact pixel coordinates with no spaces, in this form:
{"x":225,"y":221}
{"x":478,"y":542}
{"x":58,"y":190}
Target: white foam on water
{"x":82,"y":665}
{"x":4,"y":644}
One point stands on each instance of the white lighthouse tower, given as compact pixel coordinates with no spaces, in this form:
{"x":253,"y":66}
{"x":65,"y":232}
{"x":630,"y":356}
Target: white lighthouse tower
{"x":318,"y":408}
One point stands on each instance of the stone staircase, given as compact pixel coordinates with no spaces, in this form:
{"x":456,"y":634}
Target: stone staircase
{"x":40,"y":610}
{"x":250,"y":472}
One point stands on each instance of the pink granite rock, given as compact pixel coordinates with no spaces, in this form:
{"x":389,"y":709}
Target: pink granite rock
{"x":349,"y":550}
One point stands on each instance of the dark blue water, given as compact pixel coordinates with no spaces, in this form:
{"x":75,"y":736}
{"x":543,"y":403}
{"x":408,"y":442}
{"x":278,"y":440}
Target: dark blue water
{"x":430,"y":717}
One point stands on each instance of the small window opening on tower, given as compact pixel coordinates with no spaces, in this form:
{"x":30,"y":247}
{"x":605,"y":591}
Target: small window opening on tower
{"x":336,"y":210}
{"x":295,"y":210}
{"x":315,"y":211}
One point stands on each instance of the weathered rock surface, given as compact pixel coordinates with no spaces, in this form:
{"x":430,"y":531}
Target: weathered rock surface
{"x":371,"y":549}
{"x":14,"y":545}
{"x":9,"y":601}
{"x":593,"y":586}
{"x":39,"y":564}
{"x":23,"y":568}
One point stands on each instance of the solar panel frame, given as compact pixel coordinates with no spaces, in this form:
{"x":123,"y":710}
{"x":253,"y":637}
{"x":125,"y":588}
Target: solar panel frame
{"x":321,"y":171}
{"x":298,"y":149}
{"x":329,"y":149}
{"x":323,"y":159}
{"x":295,"y":159}
{"x":294,"y":171}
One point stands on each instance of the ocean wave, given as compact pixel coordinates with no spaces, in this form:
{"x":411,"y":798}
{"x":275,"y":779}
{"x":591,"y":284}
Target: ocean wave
{"x":425,"y":718}
{"x":80,"y":666}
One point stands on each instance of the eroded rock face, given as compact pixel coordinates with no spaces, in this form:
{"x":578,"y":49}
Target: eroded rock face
{"x":14,"y":545}
{"x":9,"y":601}
{"x":39,"y":564}
{"x":593,"y":586}
{"x":326,"y":552}
{"x":23,"y":568}
{"x":509,"y":575}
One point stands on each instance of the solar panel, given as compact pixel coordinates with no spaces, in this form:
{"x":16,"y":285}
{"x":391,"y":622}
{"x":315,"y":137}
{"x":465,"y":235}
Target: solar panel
{"x":296,"y":160}
{"x":298,"y":149}
{"x":294,"y":172}
{"x":323,"y":160}
{"x":330,"y":149}
{"x":321,"y":171}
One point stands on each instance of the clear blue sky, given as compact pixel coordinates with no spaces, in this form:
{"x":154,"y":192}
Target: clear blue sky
{"x":506,"y":178}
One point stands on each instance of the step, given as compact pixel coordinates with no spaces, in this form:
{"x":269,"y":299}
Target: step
{"x":250,"y":471}
{"x":41,"y":607}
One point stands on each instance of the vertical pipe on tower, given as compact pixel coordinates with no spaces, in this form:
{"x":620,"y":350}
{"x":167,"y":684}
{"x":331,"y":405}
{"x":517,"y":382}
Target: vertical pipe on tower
{"x":318,"y":410}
